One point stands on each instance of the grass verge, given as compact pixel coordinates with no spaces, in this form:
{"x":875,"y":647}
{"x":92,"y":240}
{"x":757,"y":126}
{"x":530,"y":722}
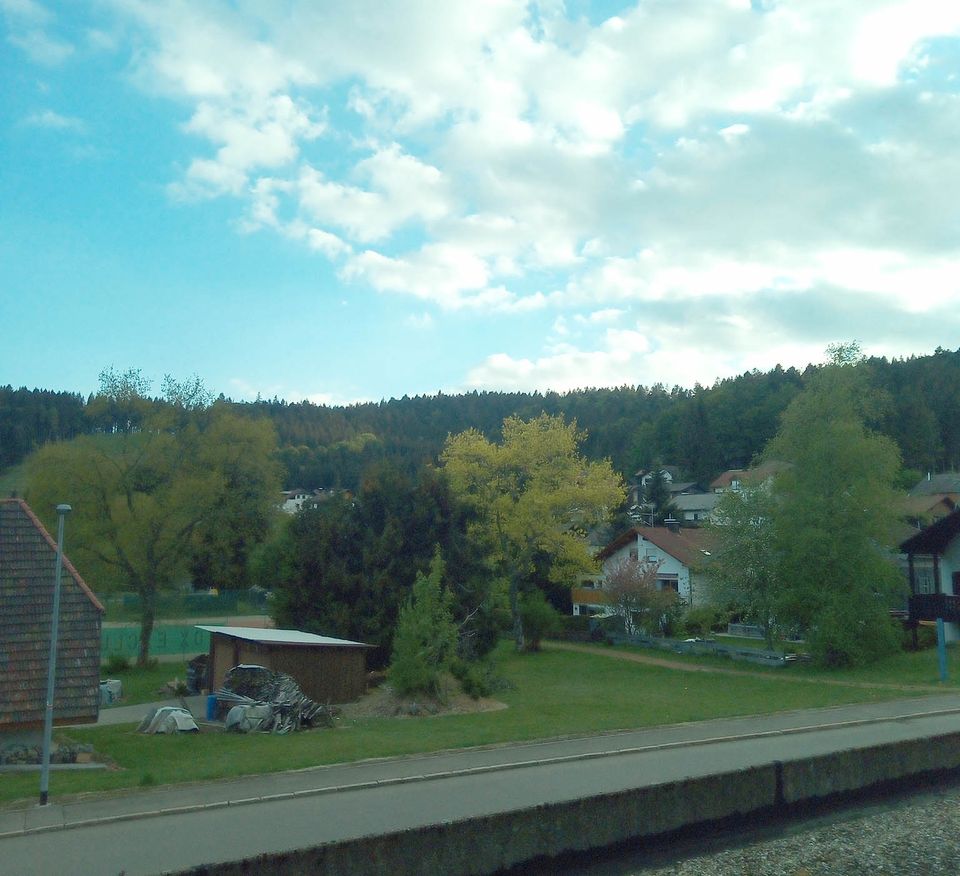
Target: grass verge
{"x":143,"y":685}
{"x":556,"y":693}
{"x":907,"y":668}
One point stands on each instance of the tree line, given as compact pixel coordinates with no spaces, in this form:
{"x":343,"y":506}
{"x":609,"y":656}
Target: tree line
{"x":704,"y":430}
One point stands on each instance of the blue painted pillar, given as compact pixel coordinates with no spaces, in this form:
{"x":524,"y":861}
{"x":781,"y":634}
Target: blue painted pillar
{"x":941,"y":649}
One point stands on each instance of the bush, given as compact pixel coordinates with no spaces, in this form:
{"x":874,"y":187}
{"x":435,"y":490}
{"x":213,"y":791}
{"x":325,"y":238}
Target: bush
{"x":426,"y":636}
{"x":847,"y":635}
{"x":540,"y":619}
{"x":576,"y":623}
{"x":477,"y":678}
{"x":703,"y":620}
{"x":116,"y":664}
{"x":926,"y":638}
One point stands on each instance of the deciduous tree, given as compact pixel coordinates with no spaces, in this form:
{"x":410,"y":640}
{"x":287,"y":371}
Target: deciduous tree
{"x":631,"y":588}
{"x":834,"y":518}
{"x":531,"y":492}
{"x":144,"y":487}
{"x":745,"y":564}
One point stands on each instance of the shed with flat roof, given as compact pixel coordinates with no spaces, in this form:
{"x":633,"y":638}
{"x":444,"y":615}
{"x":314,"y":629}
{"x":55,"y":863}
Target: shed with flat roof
{"x":328,"y":670}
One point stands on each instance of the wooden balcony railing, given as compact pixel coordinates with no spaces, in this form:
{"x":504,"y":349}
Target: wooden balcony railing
{"x":930,"y":606}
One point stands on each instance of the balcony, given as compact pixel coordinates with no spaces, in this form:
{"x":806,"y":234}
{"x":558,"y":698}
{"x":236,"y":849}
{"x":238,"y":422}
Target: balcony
{"x":930,"y":606}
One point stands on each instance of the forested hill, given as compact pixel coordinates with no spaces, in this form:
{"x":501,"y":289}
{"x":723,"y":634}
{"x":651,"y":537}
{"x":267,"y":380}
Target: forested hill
{"x":703,"y":430}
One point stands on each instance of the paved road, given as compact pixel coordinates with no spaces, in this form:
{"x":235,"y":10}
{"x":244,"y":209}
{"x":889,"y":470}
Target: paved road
{"x":379,"y":796}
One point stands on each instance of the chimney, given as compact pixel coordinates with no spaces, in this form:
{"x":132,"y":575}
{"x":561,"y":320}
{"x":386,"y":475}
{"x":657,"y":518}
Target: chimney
{"x":672,"y":524}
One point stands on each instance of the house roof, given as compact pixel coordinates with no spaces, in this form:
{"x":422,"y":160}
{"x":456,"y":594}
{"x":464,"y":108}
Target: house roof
{"x":935,"y":538}
{"x":282,"y":637}
{"x":27,"y":574}
{"x":756,"y":475}
{"x":726,"y":478}
{"x":918,"y":506}
{"x":947,"y":482}
{"x":696,"y":501}
{"x":690,"y":546}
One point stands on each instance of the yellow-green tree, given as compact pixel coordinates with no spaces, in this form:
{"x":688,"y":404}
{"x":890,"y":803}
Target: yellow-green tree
{"x":143,"y":493}
{"x":533,"y":492}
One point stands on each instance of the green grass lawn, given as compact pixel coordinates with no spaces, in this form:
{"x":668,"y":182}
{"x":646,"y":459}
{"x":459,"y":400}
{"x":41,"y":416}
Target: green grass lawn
{"x":905,"y":668}
{"x":142,"y":685}
{"x":556,"y":693}
{"x":13,"y":480}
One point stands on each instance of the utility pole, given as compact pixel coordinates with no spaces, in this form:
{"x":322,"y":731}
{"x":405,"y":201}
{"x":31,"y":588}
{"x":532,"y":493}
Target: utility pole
{"x":62,"y":512}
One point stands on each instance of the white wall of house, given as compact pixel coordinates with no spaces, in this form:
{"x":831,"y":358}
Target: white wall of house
{"x":672,"y":573}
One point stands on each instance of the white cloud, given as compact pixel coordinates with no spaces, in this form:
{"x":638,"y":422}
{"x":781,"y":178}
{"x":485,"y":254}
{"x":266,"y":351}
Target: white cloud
{"x":466,"y":154}
{"x":243,"y":390}
{"x":420,"y":321}
{"x":41,"y":47}
{"x":55,"y":121}
{"x":402,"y":189}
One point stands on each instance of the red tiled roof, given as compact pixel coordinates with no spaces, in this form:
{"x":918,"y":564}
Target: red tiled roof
{"x":685,"y":545}
{"x":27,"y":571}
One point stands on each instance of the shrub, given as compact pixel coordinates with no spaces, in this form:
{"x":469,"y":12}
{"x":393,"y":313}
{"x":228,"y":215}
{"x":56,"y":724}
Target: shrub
{"x":540,"y":619}
{"x":116,"y":664}
{"x":426,"y":636}
{"x":926,"y":638}
{"x":703,"y":619}
{"x":477,"y":678}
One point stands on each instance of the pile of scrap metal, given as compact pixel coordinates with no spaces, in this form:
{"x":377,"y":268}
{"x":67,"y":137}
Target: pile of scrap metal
{"x":269,"y":701}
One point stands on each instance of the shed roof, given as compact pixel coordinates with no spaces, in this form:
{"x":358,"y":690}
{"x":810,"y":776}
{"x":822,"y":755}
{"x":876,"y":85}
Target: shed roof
{"x":282,"y":637}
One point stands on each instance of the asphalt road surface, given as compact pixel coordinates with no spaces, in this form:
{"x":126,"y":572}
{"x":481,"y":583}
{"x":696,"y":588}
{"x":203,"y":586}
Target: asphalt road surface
{"x":558,"y":771}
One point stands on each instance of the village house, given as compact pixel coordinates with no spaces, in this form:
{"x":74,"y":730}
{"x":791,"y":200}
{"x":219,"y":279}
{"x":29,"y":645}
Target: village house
{"x":933,"y":570}
{"x":27,"y":574}
{"x":680,"y":555}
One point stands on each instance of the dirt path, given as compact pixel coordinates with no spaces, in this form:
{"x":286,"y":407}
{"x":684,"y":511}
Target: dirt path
{"x":745,"y":673}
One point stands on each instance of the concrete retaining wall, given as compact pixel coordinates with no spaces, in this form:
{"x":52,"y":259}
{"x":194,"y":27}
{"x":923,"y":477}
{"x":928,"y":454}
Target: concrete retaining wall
{"x":490,"y":843}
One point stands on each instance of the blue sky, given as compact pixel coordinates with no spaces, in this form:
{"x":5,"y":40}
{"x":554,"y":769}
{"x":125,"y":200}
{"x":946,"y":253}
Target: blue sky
{"x":358,"y":201}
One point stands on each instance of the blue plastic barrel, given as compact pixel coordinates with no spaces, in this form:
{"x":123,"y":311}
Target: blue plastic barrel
{"x":211,"y":707}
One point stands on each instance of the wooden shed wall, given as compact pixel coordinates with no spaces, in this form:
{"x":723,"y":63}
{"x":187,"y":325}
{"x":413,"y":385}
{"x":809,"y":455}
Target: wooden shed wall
{"x":326,"y":674}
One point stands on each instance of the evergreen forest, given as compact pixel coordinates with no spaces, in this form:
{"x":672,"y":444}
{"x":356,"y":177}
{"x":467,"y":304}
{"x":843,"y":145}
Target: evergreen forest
{"x":703,"y":430}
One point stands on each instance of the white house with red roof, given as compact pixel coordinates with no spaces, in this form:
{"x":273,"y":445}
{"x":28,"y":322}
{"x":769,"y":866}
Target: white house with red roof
{"x":681,"y":555}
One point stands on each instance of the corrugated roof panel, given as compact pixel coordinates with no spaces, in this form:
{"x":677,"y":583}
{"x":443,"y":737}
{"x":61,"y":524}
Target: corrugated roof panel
{"x":281,"y":637}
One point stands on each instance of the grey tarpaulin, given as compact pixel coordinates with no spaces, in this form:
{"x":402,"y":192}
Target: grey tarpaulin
{"x":168,"y":719}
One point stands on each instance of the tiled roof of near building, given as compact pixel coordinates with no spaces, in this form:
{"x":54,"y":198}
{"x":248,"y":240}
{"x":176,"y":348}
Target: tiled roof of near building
{"x":282,"y":637}
{"x":27,"y":570}
{"x":935,"y":538}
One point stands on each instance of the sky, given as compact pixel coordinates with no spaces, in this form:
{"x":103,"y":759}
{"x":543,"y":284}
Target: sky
{"x":356,"y":201}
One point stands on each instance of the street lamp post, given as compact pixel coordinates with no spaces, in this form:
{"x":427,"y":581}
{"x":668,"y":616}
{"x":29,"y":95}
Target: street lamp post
{"x":62,"y":512}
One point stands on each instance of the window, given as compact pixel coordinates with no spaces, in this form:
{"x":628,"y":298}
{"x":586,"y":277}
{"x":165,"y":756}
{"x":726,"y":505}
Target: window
{"x":923,"y":577}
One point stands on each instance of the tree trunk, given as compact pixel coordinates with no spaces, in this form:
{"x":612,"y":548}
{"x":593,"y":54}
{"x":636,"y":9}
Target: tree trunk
{"x":518,"y":637}
{"x":147,"y":615}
